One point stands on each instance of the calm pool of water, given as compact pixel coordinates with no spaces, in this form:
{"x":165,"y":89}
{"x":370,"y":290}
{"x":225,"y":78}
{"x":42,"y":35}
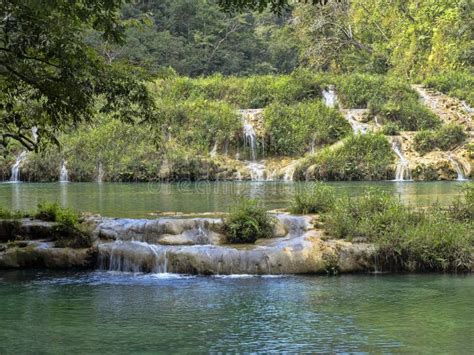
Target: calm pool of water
{"x":46,"y":312}
{"x":139,"y":200}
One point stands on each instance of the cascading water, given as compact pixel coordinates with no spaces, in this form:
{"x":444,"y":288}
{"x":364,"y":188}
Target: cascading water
{"x":213,"y":152}
{"x":403,"y":172}
{"x":189,"y":246}
{"x":357,"y":127}
{"x":330,"y":100}
{"x":34,"y":133}
{"x":330,"y":97}
{"x":458,"y":168}
{"x":256,"y":168}
{"x":250,"y":139}
{"x":133,"y":256}
{"x":289,"y":171}
{"x":100,"y":173}
{"x":63,"y":173}
{"x":16,"y":167}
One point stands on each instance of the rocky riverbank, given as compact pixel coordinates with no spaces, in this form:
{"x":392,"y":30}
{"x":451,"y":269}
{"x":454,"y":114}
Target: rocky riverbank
{"x":194,"y":245}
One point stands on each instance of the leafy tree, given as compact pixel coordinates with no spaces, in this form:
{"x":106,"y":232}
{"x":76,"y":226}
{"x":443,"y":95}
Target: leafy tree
{"x":50,"y":78}
{"x":195,"y":37}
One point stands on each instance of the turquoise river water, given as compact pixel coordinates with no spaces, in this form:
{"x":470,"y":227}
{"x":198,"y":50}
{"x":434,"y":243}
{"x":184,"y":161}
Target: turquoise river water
{"x":109,"y":312}
{"x":143,"y":200}
{"x":101,"y":312}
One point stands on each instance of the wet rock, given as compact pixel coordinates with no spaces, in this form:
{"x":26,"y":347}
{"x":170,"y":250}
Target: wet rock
{"x":30,"y":229}
{"x":302,"y":254}
{"x":279,"y":229}
{"x":43,"y":255}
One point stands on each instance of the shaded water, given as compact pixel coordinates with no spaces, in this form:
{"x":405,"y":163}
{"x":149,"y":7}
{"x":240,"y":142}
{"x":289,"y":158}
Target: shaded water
{"x":139,"y":200}
{"x":119,"y":313}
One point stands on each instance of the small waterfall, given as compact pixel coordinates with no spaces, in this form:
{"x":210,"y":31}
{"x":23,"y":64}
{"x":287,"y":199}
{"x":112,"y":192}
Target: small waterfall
{"x":330,"y":97}
{"x":377,"y":123}
{"x":289,"y":171}
{"x":250,"y":139}
{"x":468,"y":108}
{"x":312,"y":147}
{"x":257,"y":170}
{"x":63,"y":174}
{"x":133,"y":257}
{"x":403,"y":172}
{"x":34,"y":133}
{"x":213,"y":152}
{"x":16,"y":167}
{"x":458,"y":168}
{"x":357,"y":127}
{"x":100,"y":173}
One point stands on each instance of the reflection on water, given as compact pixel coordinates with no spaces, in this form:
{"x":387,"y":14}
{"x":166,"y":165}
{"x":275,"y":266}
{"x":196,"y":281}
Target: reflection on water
{"x":139,"y":200}
{"x":44,"y":312}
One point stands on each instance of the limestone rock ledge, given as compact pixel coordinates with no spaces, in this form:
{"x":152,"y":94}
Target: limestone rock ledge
{"x":194,"y":246}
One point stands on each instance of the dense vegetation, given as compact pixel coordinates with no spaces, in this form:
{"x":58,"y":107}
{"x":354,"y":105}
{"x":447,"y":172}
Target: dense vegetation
{"x":319,"y":198}
{"x":138,"y":106}
{"x":68,"y":231}
{"x":414,"y":39}
{"x":247,"y":222}
{"x":359,"y":157}
{"x":291,"y":129}
{"x":433,"y":239}
{"x":458,"y":84}
{"x":445,"y":138}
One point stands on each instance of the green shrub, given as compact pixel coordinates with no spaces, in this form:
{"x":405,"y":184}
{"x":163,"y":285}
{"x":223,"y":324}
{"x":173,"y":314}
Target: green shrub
{"x":462,"y":208}
{"x":454,"y":83}
{"x":407,"y":239}
{"x":424,"y":142}
{"x":7,"y":214}
{"x":450,"y":136}
{"x":316,"y":198}
{"x":391,"y":129}
{"x":359,"y":90}
{"x":53,"y":212}
{"x":68,"y":232}
{"x":387,"y":97}
{"x":247,"y":222}
{"x":360,"y":157}
{"x":292,"y":129}
{"x":408,"y":113}
{"x":445,"y":138}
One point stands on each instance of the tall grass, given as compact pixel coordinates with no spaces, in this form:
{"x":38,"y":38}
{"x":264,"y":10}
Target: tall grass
{"x":433,"y":239}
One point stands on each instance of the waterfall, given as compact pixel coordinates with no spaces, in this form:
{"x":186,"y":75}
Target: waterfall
{"x":457,"y":167}
{"x":312,"y":147}
{"x":403,"y":171}
{"x":289,"y":171}
{"x":34,"y":133}
{"x":63,"y":174}
{"x":213,"y":152}
{"x":100,"y":173}
{"x":357,"y":127}
{"x":250,"y":139}
{"x":354,"y":117}
{"x":468,"y":108}
{"x":16,"y":167}
{"x":330,"y":97}
{"x":257,"y":170}
{"x":133,"y":256}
